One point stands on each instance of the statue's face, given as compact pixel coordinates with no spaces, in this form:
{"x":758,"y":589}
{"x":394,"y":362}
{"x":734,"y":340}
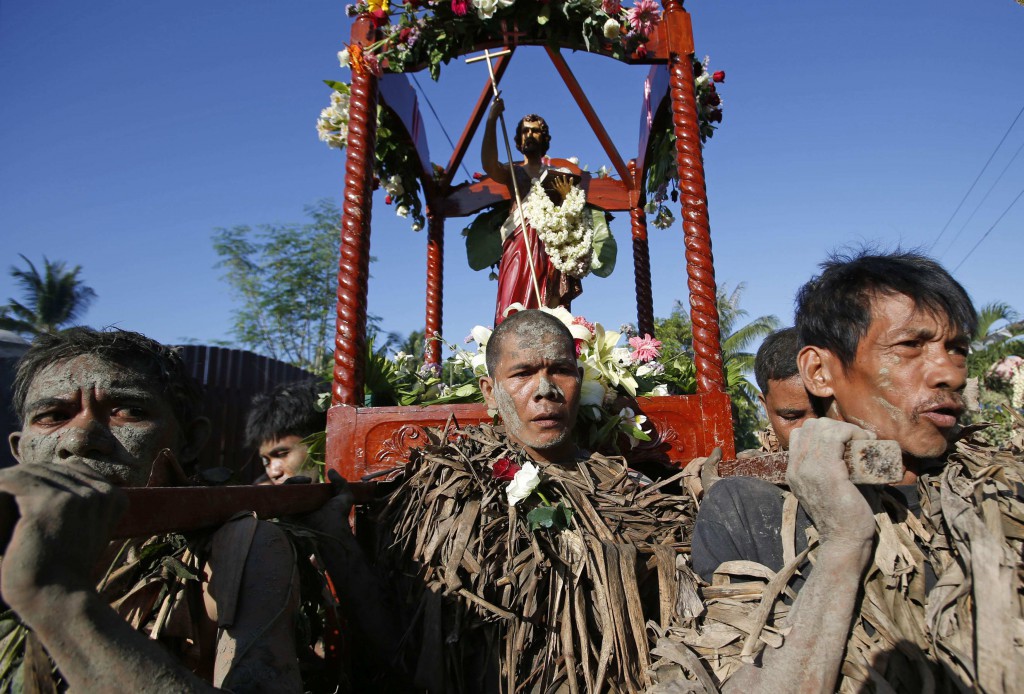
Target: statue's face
{"x":110,"y":417}
{"x":532,"y":138}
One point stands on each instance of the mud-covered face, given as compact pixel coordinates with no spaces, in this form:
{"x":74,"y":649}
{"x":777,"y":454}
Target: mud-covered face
{"x":536,"y":391}
{"x":787,"y":406}
{"x":110,"y":417}
{"x":906,"y":379}
{"x":285,"y":458}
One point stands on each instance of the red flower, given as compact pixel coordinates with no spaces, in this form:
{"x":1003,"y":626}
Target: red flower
{"x":379,"y":18}
{"x":387,"y":199}
{"x":460,"y":7}
{"x":505,"y":470}
{"x":477,"y":176}
{"x":641,"y":51}
{"x":718,"y":76}
{"x":713,"y":99}
{"x":715,"y":116}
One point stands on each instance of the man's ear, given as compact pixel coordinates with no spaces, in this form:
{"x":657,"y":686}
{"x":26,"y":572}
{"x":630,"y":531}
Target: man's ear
{"x":15,"y":442}
{"x":817,"y":370}
{"x":194,"y":438}
{"x":764,"y":403}
{"x":487,"y":388}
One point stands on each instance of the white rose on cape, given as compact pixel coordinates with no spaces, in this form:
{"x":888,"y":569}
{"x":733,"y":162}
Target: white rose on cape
{"x":523,"y":484}
{"x":611,"y":29}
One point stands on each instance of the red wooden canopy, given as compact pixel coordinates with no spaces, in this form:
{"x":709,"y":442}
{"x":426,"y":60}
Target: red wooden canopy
{"x":361,"y":440}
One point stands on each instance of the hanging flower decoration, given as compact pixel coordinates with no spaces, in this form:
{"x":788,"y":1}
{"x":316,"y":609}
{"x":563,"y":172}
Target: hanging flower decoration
{"x":564,"y":229}
{"x":662,"y":174}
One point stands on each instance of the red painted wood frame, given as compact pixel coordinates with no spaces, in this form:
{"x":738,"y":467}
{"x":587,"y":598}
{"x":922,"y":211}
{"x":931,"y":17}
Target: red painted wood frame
{"x":362,"y":441}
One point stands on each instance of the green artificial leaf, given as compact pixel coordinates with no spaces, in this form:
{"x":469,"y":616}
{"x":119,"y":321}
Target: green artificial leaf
{"x":337,"y":86}
{"x":483,"y":237}
{"x":605,"y":248}
{"x":541,"y":517}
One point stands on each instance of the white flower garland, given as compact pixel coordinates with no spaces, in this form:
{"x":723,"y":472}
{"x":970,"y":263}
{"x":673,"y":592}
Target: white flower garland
{"x":565,"y":230}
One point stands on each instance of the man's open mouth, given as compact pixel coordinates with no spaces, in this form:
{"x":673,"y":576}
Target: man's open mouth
{"x":943,"y":415}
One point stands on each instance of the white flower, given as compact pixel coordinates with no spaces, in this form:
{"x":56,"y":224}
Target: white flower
{"x":660,"y":389}
{"x":604,"y":172}
{"x":592,"y":391}
{"x":574,"y":160}
{"x":485,"y":8}
{"x":620,"y":355}
{"x":416,"y":226}
{"x":402,"y":211}
{"x":479,"y":364}
{"x":629,"y":423}
{"x":481,"y":335}
{"x":394,"y":186}
{"x":611,"y":29}
{"x":343,"y":58}
{"x":523,"y":484}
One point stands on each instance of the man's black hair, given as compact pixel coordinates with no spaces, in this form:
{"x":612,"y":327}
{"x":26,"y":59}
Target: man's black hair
{"x":776,"y":358}
{"x":121,"y":347}
{"x":833,"y":310}
{"x":529,"y":319}
{"x":533,"y":118}
{"x":287,"y":410}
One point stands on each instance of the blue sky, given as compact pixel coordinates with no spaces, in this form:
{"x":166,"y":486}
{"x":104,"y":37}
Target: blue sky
{"x":130,"y":131}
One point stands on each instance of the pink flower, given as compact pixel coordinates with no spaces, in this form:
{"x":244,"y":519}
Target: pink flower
{"x":645,"y":349}
{"x":460,"y":7}
{"x":580,"y":320}
{"x":505,"y":470}
{"x":643,"y":16}
{"x":611,"y":6}
{"x":718,"y":76}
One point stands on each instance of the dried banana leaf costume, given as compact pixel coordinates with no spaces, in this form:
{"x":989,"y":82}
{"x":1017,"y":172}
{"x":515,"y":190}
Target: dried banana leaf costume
{"x":157,"y":586}
{"x":496,"y":605}
{"x":964,"y":633}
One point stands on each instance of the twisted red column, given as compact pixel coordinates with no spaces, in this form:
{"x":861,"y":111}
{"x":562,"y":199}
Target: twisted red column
{"x":696,"y":230}
{"x":435,"y":281}
{"x":641,"y":262}
{"x":354,"y":267}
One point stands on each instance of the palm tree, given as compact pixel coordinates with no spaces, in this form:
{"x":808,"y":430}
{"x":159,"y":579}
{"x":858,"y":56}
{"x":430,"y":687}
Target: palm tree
{"x":992,"y":343}
{"x":676,"y":335}
{"x":53,"y":299}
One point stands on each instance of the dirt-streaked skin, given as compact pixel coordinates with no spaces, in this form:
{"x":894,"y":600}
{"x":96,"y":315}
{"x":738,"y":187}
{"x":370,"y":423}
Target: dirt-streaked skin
{"x":535,"y":388}
{"x":787,"y":405}
{"x":111,"y":418}
{"x":906,"y":380}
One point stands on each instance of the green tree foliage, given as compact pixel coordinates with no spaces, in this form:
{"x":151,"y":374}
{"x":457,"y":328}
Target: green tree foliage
{"x":1000,"y":334}
{"x":676,"y":335}
{"x":53,"y":299}
{"x":284,"y":276}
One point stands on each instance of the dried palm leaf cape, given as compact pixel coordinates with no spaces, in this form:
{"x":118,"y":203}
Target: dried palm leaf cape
{"x":596,"y":594}
{"x":553,"y":589}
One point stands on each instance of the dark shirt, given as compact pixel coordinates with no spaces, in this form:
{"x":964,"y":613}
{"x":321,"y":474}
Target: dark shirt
{"x":741,"y":518}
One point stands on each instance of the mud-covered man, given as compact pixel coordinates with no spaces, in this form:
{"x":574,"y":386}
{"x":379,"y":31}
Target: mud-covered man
{"x":885,"y":341}
{"x":107,"y":409}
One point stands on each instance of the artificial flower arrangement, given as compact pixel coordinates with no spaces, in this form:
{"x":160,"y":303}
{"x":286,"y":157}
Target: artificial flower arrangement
{"x":618,"y":366}
{"x":662,"y":174}
{"x":420,"y":33}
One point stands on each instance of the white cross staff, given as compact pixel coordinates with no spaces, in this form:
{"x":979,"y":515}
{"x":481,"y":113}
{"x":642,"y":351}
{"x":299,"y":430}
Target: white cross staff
{"x":511,"y":167}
